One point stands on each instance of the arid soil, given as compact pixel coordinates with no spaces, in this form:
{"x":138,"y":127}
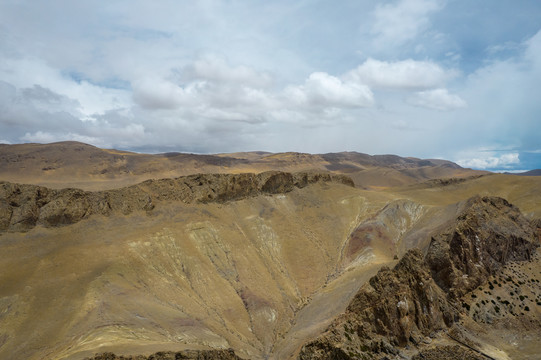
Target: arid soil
{"x":112,"y":255}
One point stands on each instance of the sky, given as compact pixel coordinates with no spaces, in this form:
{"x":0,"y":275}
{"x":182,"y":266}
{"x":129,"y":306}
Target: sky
{"x":452,"y":79}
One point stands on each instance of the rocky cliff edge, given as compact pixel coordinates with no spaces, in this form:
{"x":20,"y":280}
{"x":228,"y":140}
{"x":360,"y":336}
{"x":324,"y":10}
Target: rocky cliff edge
{"x":407,"y":306}
{"x":24,"y":206}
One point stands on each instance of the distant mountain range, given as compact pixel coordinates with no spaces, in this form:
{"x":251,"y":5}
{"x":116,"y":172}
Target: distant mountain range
{"x":536,"y":172}
{"x":73,"y":164}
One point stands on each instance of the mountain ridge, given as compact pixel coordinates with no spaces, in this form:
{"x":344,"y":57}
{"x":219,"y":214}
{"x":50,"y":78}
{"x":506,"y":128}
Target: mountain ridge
{"x":74,"y":164}
{"x":25,"y":206}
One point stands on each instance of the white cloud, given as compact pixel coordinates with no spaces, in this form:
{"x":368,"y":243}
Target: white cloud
{"x":44,"y":99}
{"x":489,"y":161}
{"x":207,"y":84}
{"x":103,"y":135}
{"x":139,"y":74}
{"x":46,"y":137}
{"x":402,"y":21}
{"x":324,"y":90}
{"x":406,"y":74}
{"x":90,"y":98}
{"x":503,"y":101}
{"x":216,"y":69}
{"x":214,"y":91}
{"x":533,"y":51}
{"x":229,"y":115}
{"x":152,"y":93}
{"x":437,"y":99}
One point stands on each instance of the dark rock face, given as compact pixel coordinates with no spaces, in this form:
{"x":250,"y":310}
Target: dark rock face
{"x":168,"y":355}
{"x":24,"y":206}
{"x":20,"y":205}
{"x":448,"y":353}
{"x":402,"y":303}
{"x":487,"y":235}
{"x":420,"y":296}
{"x":396,"y":307}
{"x":536,"y":223}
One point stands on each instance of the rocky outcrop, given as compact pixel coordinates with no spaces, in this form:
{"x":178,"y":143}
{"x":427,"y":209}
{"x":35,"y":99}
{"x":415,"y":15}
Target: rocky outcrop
{"x":421,"y":295}
{"x":24,"y":206}
{"x":449,"y":181}
{"x":536,"y":223}
{"x":396,"y":307}
{"x":169,"y":355}
{"x":448,"y":353}
{"x":486,"y":235}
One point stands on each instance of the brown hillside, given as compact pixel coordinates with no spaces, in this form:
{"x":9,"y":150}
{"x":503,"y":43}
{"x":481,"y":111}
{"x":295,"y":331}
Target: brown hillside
{"x":72,"y":164}
{"x":147,"y":258}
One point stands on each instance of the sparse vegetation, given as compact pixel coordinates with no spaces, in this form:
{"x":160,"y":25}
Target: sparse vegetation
{"x":185,"y":266}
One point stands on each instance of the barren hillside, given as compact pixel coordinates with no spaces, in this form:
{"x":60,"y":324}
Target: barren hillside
{"x":261,"y":263}
{"x":73,"y":164}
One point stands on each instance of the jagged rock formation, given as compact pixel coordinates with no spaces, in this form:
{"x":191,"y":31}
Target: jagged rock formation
{"x":169,"y":355}
{"x":448,"y":353}
{"x":536,"y":223}
{"x":398,"y":306}
{"x":488,"y":234}
{"x":448,"y":181}
{"x":420,"y":296}
{"x":24,"y":206}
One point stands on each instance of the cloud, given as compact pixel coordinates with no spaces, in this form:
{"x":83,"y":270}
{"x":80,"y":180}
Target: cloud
{"x":487,"y":161}
{"x":406,"y":74}
{"x":51,"y":116}
{"x":97,"y":134}
{"x":402,"y":21}
{"x":152,"y":93}
{"x":8,"y":94}
{"x":210,"y":90}
{"x":533,"y":51}
{"x":46,"y":137}
{"x":437,"y":99}
{"x":44,"y":99}
{"x":220,"y":76}
{"x":216,"y":69}
{"x":208,"y":85}
{"x":324,"y":90}
{"x":27,"y":73}
{"x":503,"y":101}
{"x":36,"y":106}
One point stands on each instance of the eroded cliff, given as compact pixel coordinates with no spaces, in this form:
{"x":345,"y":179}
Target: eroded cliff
{"x":410,"y":304}
{"x":24,"y":206}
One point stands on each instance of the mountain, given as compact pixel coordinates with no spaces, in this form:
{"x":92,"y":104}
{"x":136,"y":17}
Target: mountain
{"x":73,"y":164}
{"x":262,"y":264}
{"x":536,"y":172}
